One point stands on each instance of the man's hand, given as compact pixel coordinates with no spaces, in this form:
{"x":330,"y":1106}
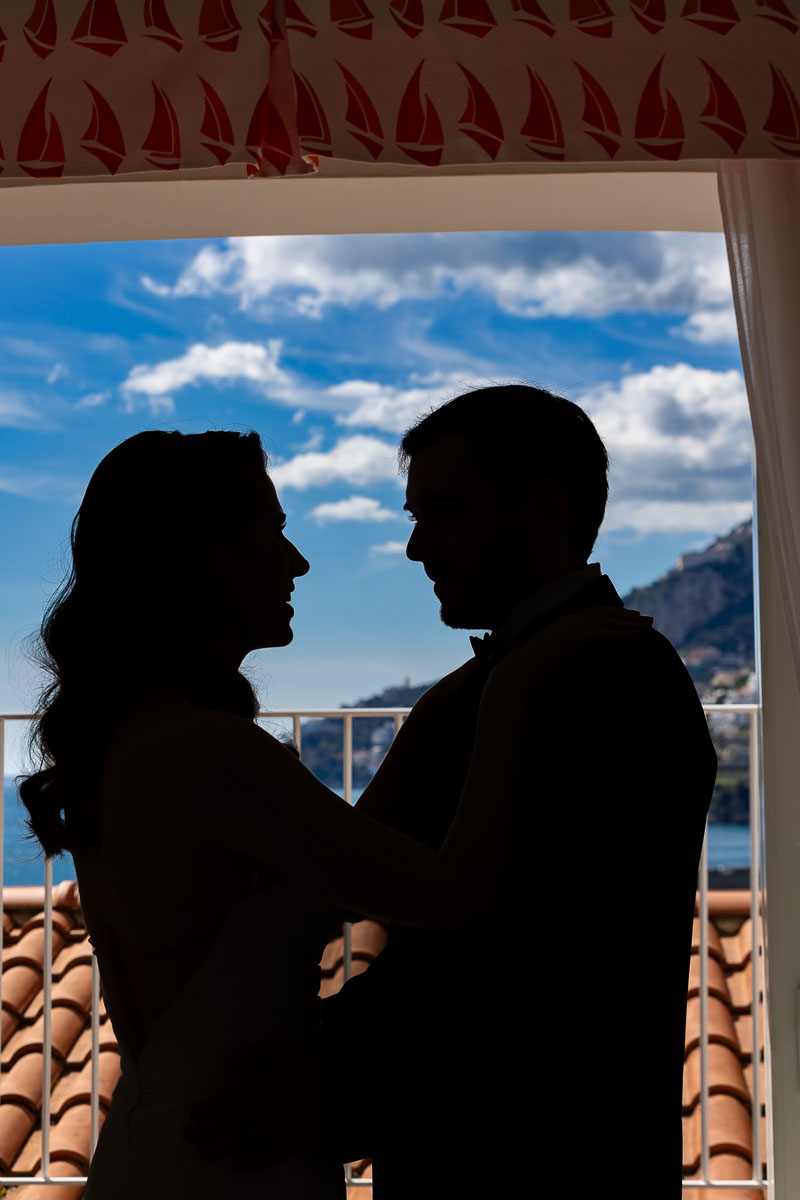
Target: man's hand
{"x":267,"y":1110}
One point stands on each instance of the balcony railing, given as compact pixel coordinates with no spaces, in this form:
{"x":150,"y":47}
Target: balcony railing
{"x":295,"y":719}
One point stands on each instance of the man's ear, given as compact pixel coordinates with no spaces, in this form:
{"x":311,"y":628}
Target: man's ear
{"x":547,"y":503}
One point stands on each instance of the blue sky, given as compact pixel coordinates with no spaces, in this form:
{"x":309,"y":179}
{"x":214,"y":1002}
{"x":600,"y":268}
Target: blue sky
{"x":329,"y":346}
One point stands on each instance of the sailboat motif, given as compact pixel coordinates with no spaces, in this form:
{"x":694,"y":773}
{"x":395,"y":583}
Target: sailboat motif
{"x":543,"y":124}
{"x":409,"y":15}
{"x":268,"y":137}
{"x":297,"y":21}
{"x":361,"y":114}
{"x":480,"y":119}
{"x":352,"y":17}
{"x":218,"y":26}
{"x":312,"y":124}
{"x":216,"y":125}
{"x":659,"y":126}
{"x":470,"y":16}
{"x":780,"y":13}
{"x":100,"y":28}
{"x":783,"y":121}
{"x":722,"y":114}
{"x":162,"y":145}
{"x":419,"y":130}
{"x":104,"y":137}
{"x":719,"y":16}
{"x":269,"y":24}
{"x":41,"y":29}
{"x":652,"y":14}
{"x":158,"y":26}
{"x":599,"y":114}
{"x":40,"y":153}
{"x":592,"y":16}
{"x":532,"y":13}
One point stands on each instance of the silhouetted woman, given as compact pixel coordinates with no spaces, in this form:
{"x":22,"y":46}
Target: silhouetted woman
{"x":213,"y":866}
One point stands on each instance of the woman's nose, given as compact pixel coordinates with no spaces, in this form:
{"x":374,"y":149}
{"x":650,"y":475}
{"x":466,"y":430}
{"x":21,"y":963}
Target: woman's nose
{"x":299,"y":565}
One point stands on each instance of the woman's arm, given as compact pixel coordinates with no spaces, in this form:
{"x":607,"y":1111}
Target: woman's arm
{"x":281,"y":815}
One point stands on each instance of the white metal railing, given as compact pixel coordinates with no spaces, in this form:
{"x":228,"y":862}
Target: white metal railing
{"x":397,"y":715}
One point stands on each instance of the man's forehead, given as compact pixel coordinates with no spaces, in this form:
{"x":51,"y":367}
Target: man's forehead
{"x":445,"y":466}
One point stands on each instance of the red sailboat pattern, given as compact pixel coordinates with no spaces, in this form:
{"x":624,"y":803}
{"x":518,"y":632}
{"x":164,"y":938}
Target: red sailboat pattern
{"x":480,"y":119}
{"x":41,"y":29}
{"x":719,"y":16}
{"x":104,"y":137}
{"x":599,"y":114}
{"x":783,"y":121}
{"x":409,"y":15}
{"x":592,"y":16}
{"x":659,"y":126}
{"x":529,"y":12}
{"x":216,"y":126}
{"x":780,"y":13}
{"x":297,"y":21}
{"x":352,"y":17}
{"x":419,"y":130}
{"x":40,"y":152}
{"x":218,"y":26}
{"x":269,"y":24}
{"x":652,"y":14}
{"x":470,"y":16}
{"x":268,"y":138}
{"x":543,"y":124}
{"x":100,"y":28}
{"x":312,"y":124}
{"x":361,"y":114}
{"x":722,"y":114}
{"x":162,"y":145}
{"x":158,"y":26}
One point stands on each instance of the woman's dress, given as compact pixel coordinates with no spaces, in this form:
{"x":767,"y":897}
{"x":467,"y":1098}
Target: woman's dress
{"x":257,"y":984}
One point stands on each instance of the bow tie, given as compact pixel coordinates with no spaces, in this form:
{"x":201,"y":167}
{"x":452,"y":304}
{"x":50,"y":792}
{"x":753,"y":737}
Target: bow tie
{"x":485,"y":649}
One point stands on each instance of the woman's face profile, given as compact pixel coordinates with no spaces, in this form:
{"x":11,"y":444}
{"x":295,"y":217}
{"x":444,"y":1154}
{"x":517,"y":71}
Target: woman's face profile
{"x":259,"y":569}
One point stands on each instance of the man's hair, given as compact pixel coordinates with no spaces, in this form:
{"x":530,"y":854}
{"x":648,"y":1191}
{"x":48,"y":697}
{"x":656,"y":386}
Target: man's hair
{"x":520,"y":435}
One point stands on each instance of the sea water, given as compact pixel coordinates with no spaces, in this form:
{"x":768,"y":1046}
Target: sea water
{"x":728,"y":846}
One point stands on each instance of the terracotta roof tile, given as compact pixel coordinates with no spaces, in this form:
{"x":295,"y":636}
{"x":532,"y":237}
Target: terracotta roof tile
{"x":729,"y":1050}
{"x":725,"y":1074}
{"x":58,"y":1191}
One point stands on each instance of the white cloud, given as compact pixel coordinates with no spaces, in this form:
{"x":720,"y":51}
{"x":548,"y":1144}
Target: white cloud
{"x":389,"y":548}
{"x":39,"y":485}
{"x":56,"y":372}
{"x":15,"y":413}
{"x":228,"y":363}
{"x":355,"y":508}
{"x":93,"y":400}
{"x":705,"y":328}
{"x":531,"y":275}
{"x":380,"y":406}
{"x":358,"y":460}
{"x":680,"y":444}
{"x":676,"y":516}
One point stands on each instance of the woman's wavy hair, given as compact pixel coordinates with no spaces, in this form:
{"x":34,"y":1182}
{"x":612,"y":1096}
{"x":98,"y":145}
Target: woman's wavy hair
{"x":136,"y":610}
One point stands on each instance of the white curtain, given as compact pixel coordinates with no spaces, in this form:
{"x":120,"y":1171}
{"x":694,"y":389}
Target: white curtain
{"x":760,"y":203}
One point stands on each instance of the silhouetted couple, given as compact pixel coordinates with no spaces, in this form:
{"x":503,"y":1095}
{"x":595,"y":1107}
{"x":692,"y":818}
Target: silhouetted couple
{"x":532,"y":838}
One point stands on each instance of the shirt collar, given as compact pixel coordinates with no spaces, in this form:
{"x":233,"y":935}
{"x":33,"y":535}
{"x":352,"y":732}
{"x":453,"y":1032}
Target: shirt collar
{"x":541,"y":601}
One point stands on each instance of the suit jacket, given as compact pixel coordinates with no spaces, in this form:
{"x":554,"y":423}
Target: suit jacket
{"x":554,"y":1042}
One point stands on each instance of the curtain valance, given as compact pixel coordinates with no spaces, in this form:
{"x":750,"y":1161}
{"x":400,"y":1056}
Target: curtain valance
{"x":111,"y":88}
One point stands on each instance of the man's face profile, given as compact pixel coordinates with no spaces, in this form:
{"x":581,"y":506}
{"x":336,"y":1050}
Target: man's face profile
{"x":467,"y":538}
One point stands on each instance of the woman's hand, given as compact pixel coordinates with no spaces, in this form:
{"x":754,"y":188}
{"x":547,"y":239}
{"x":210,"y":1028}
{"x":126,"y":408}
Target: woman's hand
{"x":567,"y":636}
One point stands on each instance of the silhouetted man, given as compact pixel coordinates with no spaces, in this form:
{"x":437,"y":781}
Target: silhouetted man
{"x":547,"y":1050}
